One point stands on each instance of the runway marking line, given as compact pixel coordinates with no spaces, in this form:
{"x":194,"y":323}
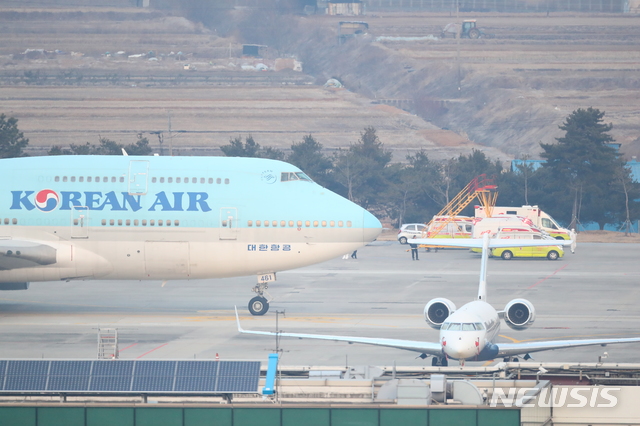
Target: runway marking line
{"x":547,"y":277}
{"x":320,"y":320}
{"x":510,"y":338}
{"x":147,"y":353}
{"x":124,"y":349}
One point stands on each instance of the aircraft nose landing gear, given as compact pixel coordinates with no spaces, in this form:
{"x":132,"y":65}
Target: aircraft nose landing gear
{"x":259,"y":305}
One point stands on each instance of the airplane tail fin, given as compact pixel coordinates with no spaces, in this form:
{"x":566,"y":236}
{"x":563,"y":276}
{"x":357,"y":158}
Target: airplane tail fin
{"x":487,"y":244}
{"x":482,"y":286}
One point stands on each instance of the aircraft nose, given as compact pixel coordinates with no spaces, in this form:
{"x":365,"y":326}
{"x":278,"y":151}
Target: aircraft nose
{"x":459,"y":347}
{"x":371,"y":227}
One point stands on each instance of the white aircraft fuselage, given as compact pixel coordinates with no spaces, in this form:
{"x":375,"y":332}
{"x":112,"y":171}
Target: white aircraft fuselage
{"x":167,"y":218}
{"x":470,"y":332}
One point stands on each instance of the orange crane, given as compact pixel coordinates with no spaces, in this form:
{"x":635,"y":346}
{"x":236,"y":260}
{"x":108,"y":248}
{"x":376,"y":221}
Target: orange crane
{"x":480,"y":187}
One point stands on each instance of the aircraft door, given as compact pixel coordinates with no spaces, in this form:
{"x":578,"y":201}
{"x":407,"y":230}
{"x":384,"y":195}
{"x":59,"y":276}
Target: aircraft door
{"x":80,"y":222}
{"x":138,"y":177}
{"x":228,"y":223}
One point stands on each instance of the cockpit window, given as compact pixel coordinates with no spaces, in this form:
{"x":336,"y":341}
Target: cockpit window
{"x":289,"y":176}
{"x":302,"y":176}
{"x":456,"y":326}
{"x":286,"y":177}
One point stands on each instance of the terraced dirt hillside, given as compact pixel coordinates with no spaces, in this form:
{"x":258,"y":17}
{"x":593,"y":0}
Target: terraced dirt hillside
{"x":513,"y":90}
{"x":70,"y":76}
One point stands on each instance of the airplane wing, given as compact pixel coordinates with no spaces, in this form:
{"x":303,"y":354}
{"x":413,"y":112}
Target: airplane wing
{"x":429,"y":348}
{"x":493,"y":242}
{"x":510,"y":349}
{"x":16,"y":254}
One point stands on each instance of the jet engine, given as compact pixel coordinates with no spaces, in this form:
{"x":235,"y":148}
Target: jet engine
{"x":519,"y":314}
{"x":438,"y":310}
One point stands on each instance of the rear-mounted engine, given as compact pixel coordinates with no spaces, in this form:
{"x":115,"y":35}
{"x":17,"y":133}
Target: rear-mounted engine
{"x":437,"y":311}
{"x":519,"y":314}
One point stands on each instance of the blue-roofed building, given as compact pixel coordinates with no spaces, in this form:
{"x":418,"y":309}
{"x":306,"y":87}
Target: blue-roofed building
{"x":633,"y":165}
{"x":536,"y":164}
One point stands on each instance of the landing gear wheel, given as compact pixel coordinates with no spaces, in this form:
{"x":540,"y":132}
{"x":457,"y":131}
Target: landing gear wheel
{"x":258,"y":306}
{"x":439,"y":362}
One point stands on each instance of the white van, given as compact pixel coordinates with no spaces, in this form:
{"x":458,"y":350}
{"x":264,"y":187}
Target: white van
{"x":539,"y":218}
{"x":457,"y":227}
{"x":492,"y":225}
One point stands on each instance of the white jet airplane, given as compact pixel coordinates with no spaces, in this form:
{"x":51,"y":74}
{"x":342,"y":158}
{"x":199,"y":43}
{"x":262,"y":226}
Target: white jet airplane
{"x":468,"y":333}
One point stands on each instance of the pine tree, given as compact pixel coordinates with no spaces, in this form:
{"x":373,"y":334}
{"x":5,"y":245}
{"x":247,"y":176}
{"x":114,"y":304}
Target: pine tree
{"x":360,"y":170}
{"x":583,"y":166}
{"x":12,"y":141}
{"x":308,"y":156}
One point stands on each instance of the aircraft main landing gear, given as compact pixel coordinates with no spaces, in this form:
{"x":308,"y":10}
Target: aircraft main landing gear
{"x":439,"y":362}
{"x":259,"y":305}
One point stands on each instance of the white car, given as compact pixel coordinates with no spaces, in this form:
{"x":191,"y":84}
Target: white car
{"x":408,"y":230}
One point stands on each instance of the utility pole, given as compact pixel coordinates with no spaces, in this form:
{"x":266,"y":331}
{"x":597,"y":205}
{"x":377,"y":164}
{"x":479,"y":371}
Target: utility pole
{"x":279,"y":352}
{"x":458,"y":32}
{"x":170,"y":135}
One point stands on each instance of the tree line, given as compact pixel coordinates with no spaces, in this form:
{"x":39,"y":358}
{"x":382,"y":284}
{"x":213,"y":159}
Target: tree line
{"x":584,"y":179}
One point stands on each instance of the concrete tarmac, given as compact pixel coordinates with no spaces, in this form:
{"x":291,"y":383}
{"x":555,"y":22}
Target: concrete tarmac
{"x":593,"y":293}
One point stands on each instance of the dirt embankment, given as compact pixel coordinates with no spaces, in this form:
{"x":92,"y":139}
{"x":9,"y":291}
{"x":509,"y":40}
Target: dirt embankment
{"x":510,"y":92}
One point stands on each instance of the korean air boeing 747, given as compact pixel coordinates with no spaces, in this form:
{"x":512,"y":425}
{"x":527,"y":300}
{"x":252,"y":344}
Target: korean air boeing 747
{"x":168,"y":218}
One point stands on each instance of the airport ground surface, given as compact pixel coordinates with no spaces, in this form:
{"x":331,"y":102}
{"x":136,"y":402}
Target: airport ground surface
{"x":593,"y":293}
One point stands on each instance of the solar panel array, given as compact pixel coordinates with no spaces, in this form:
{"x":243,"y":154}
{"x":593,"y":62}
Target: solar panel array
{"x":130,"y":376}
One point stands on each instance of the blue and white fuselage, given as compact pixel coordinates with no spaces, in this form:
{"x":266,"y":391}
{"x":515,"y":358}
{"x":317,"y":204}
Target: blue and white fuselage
{"x":163,"y":218}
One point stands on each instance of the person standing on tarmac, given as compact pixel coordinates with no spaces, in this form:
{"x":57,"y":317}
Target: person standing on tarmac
{"x":414,"y":250}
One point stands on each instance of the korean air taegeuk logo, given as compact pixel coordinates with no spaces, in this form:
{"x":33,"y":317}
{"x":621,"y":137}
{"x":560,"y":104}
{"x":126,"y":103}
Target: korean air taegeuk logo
{"x":47,"y":200}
